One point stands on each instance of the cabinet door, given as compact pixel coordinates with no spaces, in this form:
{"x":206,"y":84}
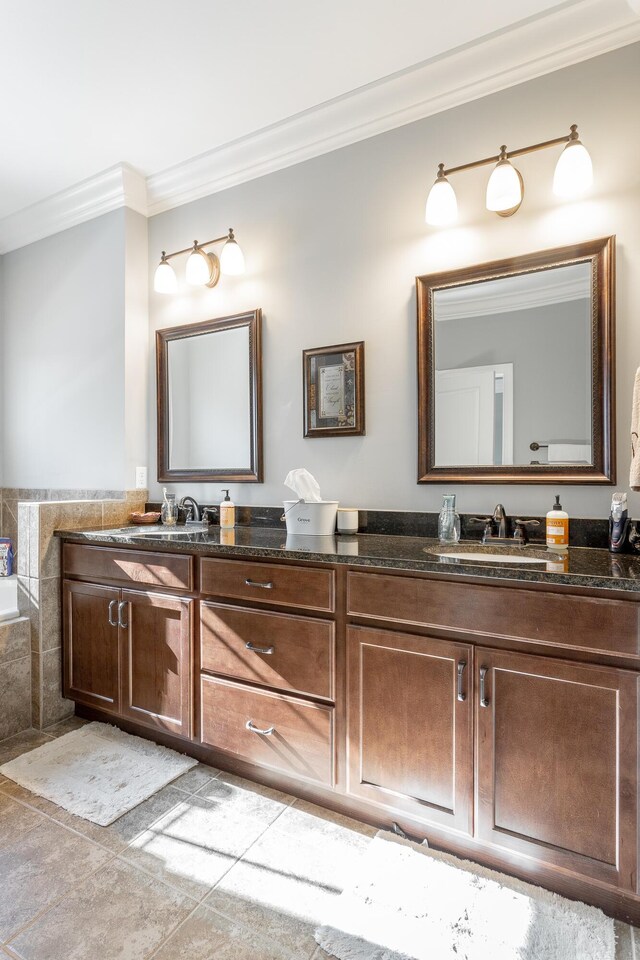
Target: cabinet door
{"x":155,"y":637}
{"x":91,"y":645}
{"x":409,"y":718}
{"x":557,"y":762}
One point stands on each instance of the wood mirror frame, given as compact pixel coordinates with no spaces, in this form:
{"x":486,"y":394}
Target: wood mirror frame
{"x":601,"y":254}
{"x":254,"y":473}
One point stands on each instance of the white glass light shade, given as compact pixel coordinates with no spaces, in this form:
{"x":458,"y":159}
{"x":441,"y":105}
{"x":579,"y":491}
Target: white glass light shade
{"x":574,"y":172}
{"x":198,"y":269}
{"x":442,"y":205}
{"x":231,"y":259}
{"x":164,"y":279}
{"x":504,"y":190}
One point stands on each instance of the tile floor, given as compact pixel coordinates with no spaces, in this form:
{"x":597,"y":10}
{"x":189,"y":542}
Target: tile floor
{"x":212,"y":866}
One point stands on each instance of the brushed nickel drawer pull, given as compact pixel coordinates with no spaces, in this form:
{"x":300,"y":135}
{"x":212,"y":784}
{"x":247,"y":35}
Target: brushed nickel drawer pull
{"x":484,"y":701}
{"x":461,"y":694}
{"x":265,"y":650}
{"x":265,"y":733}
{"x":112,"y":622}
{"x":256,"y":583}
{"x":121,"y":608}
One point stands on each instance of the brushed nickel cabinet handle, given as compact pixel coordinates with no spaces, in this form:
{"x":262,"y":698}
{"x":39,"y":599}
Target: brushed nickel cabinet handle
{"x":121,"y":608}
{"x":265,"y":650}
{"x":256,"y":583}
{"x":461,"y":694}
{"x":265,"y":733}
{"x":484,"y":700}
{"x":112,"y":621}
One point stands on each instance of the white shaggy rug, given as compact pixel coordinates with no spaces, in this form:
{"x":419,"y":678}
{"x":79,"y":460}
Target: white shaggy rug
{"x":411,"y":903}
{"x":97,"y":772}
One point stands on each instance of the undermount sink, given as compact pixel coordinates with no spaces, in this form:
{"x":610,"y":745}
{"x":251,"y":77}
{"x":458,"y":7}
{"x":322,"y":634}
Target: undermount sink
{"x":492,"y":553}
{"x":164,"y":531}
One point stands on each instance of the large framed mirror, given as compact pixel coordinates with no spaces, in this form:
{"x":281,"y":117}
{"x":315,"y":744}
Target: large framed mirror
{"x":516,"y":369}
{"x":209,"y":382}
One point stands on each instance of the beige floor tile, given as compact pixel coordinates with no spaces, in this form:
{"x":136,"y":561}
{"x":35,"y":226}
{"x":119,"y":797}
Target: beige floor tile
{"x":195,"y":779}
{"x":21,"y":743}
{"x":195,"y":844}
{"x":286,"y":881}
{"x":624,"y":945}
{"x":116,"y":913}
{"x":40,"y":866}
{"x":16,"y":819}
{"x":65,"y":726}
{"x":245,"y":795}
{"x":117,"y":835}
{"x":208,"y":936}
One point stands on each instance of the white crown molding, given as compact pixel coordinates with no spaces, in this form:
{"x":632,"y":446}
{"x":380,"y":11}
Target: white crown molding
{"x":509,"y":294}
{"x":591,"y":27}
{"x":586,"y":28}
{"x":119,"y":186}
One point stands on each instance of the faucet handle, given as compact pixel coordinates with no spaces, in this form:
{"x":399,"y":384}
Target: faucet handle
{"x":520,"y":528}
{"x":208,"y":514}
{"x":486,"y":522}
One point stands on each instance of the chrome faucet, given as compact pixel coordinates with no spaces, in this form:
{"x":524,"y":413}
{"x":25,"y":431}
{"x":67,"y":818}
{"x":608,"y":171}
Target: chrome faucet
{"x":195,"y":508}
{"x":501,"y":520}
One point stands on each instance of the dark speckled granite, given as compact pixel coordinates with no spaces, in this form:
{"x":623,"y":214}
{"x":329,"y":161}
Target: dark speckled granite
{"x":582,"y":567}
{"x":583,"y":531}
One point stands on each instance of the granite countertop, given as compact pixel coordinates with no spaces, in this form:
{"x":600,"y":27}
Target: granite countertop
{"x":579,"y":567}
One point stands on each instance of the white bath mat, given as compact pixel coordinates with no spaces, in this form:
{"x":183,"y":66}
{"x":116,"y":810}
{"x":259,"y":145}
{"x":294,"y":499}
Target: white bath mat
{"x":411,"y":903}
{"x":97,"y":772}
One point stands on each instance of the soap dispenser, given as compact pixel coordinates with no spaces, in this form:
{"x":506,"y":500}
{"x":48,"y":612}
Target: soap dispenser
{"x":227,"y":512}
{"x":557,"y":527}
{"x":448,"y":521}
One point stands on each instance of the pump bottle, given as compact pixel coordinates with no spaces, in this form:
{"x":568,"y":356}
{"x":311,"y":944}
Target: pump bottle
{"x":557,"y":527}
{"x":227,"y":512}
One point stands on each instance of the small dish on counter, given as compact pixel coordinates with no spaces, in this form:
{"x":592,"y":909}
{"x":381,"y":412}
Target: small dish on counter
{"x":137,"y":518}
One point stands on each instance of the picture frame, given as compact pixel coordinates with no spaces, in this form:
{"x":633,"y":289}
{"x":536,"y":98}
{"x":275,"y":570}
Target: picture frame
{"x":333,"y":389}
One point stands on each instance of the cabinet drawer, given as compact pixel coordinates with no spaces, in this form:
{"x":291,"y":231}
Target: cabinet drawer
{"x":588,"y":623}
{"x":272,"y":583}
{"x":274,"y":649}
{"x":301,"y":739}
{"x":130,"y":567}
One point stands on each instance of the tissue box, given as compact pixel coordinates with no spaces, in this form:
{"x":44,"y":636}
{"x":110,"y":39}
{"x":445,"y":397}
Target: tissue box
{"x":312,"y":519}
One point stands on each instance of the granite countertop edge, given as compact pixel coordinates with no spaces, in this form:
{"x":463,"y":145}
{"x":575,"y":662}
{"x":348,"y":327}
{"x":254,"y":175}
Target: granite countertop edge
{"x":593,"y":568}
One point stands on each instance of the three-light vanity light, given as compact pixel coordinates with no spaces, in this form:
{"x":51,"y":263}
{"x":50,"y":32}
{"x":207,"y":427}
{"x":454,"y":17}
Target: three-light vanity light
{"x":573,"y":176}
{"x":203,"y":269}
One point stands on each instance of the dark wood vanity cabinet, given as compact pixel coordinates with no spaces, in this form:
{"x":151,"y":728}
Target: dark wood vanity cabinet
{"x":498,"y":720}
{"x":557,"y":763}
{"x":91,"y":645}
{"x":410,"y":725}
{"x":155,"y":661}
{"x":128,"y":652}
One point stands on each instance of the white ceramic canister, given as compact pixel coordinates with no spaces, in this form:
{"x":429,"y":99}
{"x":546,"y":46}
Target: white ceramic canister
{"x":347,"y":520}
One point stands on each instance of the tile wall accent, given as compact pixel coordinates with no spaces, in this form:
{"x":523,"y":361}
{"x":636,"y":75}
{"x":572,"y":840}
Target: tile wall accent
{"x":39,"y":585}
{"x":15,"y":677}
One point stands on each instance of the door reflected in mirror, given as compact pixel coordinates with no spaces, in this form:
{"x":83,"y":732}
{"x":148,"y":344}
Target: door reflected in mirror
{"x":515,"y":363}
{"x":209,"y":411}
{"x":513,"y":370}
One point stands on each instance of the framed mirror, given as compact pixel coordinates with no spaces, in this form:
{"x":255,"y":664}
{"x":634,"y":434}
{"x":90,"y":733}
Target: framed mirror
{"x":516,"y":373}
{"x":209,"y":384}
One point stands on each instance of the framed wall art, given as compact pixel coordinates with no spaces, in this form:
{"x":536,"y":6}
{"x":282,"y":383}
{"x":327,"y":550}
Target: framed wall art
{"x":333,"y":379}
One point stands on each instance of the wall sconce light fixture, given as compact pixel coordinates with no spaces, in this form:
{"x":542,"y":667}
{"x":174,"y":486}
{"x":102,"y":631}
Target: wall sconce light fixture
{"x":505,"y":188}
{"x":203,"y":269}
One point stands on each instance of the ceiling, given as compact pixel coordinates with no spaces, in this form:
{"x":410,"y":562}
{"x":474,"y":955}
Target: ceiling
{"x":92,"y":83}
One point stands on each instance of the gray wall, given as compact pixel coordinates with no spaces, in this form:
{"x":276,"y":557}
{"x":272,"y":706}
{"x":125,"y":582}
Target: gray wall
{"x":550,"y":349}
{"x":74,"y":356}
{"x":333,"y":247}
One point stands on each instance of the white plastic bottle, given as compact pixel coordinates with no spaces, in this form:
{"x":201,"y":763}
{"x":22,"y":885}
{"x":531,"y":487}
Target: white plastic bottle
{"x":227,"y":512}
{"x":557,"y":527}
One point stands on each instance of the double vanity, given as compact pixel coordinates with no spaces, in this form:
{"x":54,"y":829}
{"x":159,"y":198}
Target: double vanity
{"x":491,"y":707}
